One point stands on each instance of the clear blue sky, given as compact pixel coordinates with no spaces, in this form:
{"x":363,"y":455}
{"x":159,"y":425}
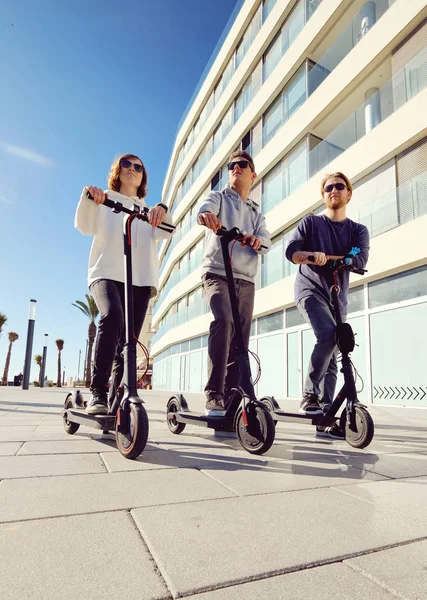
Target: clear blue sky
{"x":81,"y":82}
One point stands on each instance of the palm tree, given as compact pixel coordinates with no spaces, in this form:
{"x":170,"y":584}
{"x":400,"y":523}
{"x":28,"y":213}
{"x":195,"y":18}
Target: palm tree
{"x":60,"y":346}
{"x":39,"y":360}
{"x":91,"y":311}
{"x":3,"y":320}
{"x":12,"y":338}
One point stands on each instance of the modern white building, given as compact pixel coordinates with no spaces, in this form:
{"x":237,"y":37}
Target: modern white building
{"x":309,"y":87}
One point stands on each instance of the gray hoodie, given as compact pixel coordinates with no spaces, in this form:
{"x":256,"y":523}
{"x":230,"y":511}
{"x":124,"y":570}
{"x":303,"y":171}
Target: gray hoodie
{"x":232,"y":211}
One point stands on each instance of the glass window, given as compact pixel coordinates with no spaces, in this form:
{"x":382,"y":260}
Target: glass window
{"x":355,"y":299}
{"x":271,"y":352}
{"x":398,"y":352}
{"x":293,"y":317}
{"x":195,"y":343}
{"x":272,"y":56}
{"x":272,"y":188}
{"x":295,"y":93}
{"x":273,"y":120}
{"x":253,"y":327}
{"x":270,"y":323}
{"x":295,"y":169}
{"x":271,"y":264}
{"x":217,"y":137}
{"x":205,"y":341}
{"x":294,"y":376}
{"x":293,"y":25}
{"x":267,"y":8}
{"x":410,"y":284}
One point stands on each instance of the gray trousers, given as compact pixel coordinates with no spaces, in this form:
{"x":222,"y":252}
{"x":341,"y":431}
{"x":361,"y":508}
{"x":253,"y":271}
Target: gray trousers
{"x":223,"y":372}
{"x":322,"y":369}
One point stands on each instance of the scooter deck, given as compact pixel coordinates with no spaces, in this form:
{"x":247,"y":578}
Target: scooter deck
{"x":80,"y":416}
{"x":220,"y":422}
{"x":321,"y":420}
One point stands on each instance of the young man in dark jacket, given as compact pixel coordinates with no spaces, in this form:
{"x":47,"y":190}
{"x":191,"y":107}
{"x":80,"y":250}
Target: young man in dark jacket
{"x":329,"y":234}
{"x":230,"y":207}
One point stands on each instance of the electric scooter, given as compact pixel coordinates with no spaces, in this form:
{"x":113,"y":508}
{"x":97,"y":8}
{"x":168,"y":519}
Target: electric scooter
{"x":126,"y":413}
{"x":245,"y":415}
{"x":354,"y":422}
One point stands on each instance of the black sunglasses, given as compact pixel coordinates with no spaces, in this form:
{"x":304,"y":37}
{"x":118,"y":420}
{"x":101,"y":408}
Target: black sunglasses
{"x":127,"y":164}
{"x":241,"y":163}
{"x":338,"y":186}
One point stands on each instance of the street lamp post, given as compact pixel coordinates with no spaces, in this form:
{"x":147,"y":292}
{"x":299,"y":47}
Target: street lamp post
{"x":29,"y":348}
{"x":85,"y":365}
{"x":63,"y":376}
{"x":43,"y":369}
{"x":78,"y":368}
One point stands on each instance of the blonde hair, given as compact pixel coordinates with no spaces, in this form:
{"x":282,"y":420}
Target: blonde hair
{"x":114,"y":176}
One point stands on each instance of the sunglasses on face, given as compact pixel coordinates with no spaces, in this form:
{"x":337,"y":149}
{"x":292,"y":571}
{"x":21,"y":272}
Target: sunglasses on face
{"x":240,"y":163}
{"x":127,"y":164}
{"x":338,"y":186}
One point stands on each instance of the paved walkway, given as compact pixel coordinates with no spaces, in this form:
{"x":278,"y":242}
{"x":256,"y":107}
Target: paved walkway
{"x":197,"y":517}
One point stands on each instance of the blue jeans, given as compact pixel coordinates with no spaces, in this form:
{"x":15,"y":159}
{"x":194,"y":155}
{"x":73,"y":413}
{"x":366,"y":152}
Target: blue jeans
{"x":322,"y":369}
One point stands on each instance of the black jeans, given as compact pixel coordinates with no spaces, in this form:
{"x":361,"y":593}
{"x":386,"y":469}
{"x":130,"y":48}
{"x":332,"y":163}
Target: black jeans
{"x":223,"y":372}
{"x":109,"y":297}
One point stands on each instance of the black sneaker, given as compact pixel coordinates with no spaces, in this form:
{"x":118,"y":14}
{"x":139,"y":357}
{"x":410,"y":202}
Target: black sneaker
{"x":310,"y":405}
{"x":97,"y":406}
{"x":333,"y":432}
{"x":215,"y":406}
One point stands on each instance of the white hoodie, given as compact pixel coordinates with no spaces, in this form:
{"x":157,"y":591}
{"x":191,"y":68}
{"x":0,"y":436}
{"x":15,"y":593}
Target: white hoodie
{"x":106,"y":260}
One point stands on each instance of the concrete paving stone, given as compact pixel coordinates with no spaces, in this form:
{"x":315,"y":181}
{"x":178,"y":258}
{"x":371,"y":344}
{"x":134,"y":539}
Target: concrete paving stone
{"x":9,"y":448}
{"x":403,"y":497}
{"x":185,"y":457}
{"x":76,"y":558}
{"x":319,"y":583}
{"x":390,"y":465}
{"x":205,"y":544}
{"x":402,"y":570}
{"x":281,"y":476}
{"x":69,"y":446}
{"x":14,"y":467}
{"x":37,"y":498}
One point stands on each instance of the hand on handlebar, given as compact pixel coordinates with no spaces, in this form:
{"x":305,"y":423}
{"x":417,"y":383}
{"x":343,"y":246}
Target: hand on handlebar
{"x":97,"y":194}
{"x":155,"y":216}
{"x":210,"y":221}
{"x":251,"y":240}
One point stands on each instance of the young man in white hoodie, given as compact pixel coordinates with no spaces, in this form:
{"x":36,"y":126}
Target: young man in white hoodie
{"x":127,"y":183}
{"x":231,"y":207}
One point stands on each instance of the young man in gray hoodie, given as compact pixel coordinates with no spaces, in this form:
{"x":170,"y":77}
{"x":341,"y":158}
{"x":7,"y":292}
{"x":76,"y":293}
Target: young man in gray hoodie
{"x":231,"y":207}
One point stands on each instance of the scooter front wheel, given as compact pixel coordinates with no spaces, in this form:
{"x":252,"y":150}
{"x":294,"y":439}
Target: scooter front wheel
{"x":364,"y":426}
{"x":255,"y":429}
{"x":133,"y":442}
{"x":174,"y":426}
{"x":69,"y":427}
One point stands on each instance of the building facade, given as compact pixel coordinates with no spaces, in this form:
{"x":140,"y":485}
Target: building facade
{"x":309,"y":87}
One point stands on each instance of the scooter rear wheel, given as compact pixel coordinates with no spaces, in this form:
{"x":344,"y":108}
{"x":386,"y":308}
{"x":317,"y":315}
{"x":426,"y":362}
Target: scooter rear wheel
{"x":257,"y":436}
{"x":173,"y":407}
{"x":69,"y":427}
{"x":133,"y":443}
{"x":364,"y":425}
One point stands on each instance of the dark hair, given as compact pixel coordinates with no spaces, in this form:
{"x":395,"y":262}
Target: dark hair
{"x":114,"y":176}
{"x":243,"y":154}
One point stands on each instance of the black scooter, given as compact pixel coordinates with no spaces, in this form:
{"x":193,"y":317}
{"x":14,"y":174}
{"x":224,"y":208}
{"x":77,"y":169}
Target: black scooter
{"x":245,"y":415}
{"x":127,"y":415}
{"x":355,"y":422}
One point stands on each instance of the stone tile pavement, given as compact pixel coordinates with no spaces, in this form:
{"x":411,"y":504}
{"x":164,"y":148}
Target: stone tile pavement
{"x":197,"y":517}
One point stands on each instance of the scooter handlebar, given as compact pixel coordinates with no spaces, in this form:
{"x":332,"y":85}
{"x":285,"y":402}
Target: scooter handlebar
{"x":141,"y":211}
{"x":339,"y":263}
{"x":234,"y":234}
